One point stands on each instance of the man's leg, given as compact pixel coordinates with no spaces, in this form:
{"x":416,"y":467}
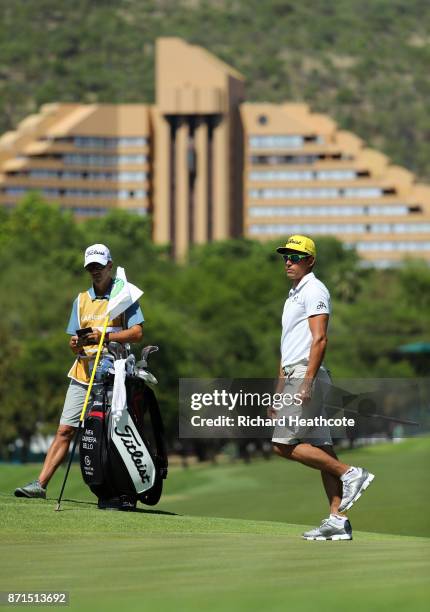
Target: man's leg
{"x":323,"y":458}
{"x":355,"y":480}
{"x":312,"y":456}
{"x":332,"y":484}
{"x":307,"y":456}
{"x":56,"y":453}
{"x":69,"y":422}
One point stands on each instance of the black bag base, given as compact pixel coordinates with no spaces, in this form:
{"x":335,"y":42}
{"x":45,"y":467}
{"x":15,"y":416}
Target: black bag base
{"x":122,"y":503}
{"x":152,"y":497}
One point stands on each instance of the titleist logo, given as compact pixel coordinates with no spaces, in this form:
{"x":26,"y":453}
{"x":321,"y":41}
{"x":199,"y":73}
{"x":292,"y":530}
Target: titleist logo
{"x":132,"y":444}
{"x":95,"y":252}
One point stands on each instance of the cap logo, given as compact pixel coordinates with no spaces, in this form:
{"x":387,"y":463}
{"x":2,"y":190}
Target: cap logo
{"x":95,"y":252}
{"x":292,"y":241}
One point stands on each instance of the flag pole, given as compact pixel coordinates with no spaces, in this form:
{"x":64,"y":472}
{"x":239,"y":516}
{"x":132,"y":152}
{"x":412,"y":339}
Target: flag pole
{"x":81,"y":418}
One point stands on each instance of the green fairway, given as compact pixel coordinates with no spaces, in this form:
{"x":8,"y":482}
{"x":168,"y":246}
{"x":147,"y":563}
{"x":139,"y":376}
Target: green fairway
{"x":252,"y":559}
{"x":159,"y":561}
{"x":278,"y":490}
{"x":397,"y":502}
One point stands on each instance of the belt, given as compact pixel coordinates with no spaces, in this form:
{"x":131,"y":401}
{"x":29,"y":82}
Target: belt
{"x":290,"y":367}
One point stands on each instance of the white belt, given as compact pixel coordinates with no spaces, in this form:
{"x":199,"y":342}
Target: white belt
{"x":288,"y":369}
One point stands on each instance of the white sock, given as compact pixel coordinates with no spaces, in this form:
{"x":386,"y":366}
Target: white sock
{"x":339,"y":519}
{"x":352,"y":472}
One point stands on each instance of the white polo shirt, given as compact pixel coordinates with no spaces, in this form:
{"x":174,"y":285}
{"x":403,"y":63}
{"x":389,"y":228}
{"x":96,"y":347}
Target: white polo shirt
{"x":310,"y":297}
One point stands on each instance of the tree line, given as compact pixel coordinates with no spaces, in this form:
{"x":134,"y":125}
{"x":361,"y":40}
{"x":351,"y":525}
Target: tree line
{"x":216,"y":315}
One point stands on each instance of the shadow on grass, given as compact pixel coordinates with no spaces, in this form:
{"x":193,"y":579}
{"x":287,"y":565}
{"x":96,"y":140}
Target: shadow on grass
{"x":145,"y":511}
{"x":91,"y":503}
{"x":73,"y":501}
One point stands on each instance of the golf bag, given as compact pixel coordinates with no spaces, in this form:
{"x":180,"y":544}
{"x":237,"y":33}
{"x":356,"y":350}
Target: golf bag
{"x":124,"y":460}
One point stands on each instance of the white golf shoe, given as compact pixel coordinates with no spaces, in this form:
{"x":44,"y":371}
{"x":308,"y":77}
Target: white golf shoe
{"x":330,"y":529}
{"x":353,"y":487}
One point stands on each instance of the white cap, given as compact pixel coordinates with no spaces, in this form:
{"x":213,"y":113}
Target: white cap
{"x":97,"y":253}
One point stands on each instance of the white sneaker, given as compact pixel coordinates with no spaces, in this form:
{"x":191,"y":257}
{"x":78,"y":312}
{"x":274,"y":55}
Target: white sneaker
{"x":353,"y":487}
{"x":330,"y":529}
{"x":32,"y":489}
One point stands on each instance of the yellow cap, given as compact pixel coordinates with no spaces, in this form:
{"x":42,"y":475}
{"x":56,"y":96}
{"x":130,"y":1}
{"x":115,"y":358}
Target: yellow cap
{"x":302,"y":244}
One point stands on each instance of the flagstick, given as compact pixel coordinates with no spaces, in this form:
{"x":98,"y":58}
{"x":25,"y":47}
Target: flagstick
{"x":81,"y":418}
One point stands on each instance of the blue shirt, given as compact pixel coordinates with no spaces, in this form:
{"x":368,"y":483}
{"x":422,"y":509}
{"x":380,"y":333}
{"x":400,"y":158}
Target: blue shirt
{"x":132,"y":316}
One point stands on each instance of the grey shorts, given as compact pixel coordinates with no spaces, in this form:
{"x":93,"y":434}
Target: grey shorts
{"x":289,"y":434}
{"x":73,"y":404}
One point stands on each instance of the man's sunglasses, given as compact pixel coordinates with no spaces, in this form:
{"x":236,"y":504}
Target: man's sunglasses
{"x":294,"y":257}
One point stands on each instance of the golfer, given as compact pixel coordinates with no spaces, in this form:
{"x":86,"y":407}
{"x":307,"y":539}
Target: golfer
{"x":88,"y":311}
{"x":303,"y":344}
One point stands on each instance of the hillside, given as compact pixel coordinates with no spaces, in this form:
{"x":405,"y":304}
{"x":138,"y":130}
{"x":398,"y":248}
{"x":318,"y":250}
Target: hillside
{"x":363,"y":62}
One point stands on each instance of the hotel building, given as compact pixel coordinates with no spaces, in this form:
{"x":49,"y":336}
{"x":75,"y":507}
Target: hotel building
{"x":209,"y":166}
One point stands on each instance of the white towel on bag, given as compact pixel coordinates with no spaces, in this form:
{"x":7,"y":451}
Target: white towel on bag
{"x":119,"y":395}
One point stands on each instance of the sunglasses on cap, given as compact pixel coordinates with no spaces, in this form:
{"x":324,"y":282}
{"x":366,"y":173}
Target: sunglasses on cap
{"x":294,"y":257}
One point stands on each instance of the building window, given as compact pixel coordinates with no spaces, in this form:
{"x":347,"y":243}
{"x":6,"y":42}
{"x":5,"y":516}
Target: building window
{"x":335,"y":175}
{"x":15,"y":191}
{"x":302,"y":175}
{"x":113,"y":194}
{"x":400,"y":228}
{"x":293,"y":194}
{"x":274,"y":160}
{"x":362,"y":192}
{"x":307,"y":228}
{"x":276,"y":142}
{"x":314,"y":192}
{"x":75,"y":159}
{"x":343,"y":210}
{"x":346,"y":228}
{"x":410,"y":246}
{"x":100,"y":142}
{"x":391,"y":209}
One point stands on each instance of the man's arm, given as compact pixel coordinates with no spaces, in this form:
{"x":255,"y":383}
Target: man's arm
{"x":318,"y":325}
{"x":132,"y":334}
{"x":72,"y":326}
